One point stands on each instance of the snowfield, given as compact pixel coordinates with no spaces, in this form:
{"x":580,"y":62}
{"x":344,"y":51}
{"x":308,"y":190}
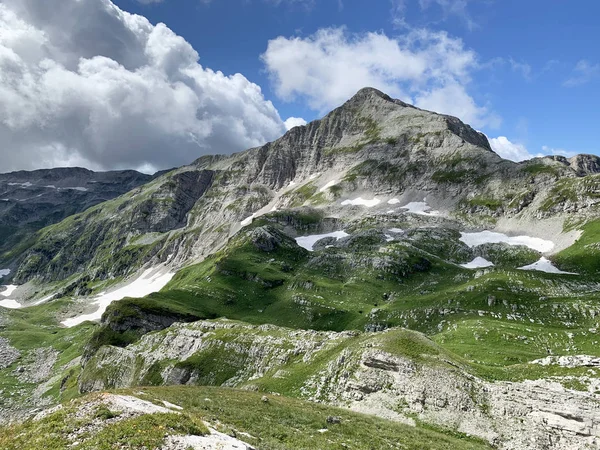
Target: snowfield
{"x":247,"y":221}
{"x":8,"y":302}
{"x":421,"y":208}
{"x":328,"y":185}
{"x":477,"y":263}
{"x":9,"y":290}
{"x":361,"y":202}
{"x":545,"y":265}
{"x":152,"y":280}
{"x":308,"y":242}
{"x":490,"y":237}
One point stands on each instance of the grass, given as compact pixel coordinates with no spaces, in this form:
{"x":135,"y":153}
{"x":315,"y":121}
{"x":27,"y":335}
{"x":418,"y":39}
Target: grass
{"x":490,"y":324}
{"x":338,"y":289}
{"x":32,"y":328}
{"x":486,"y":202}
{"x":584,"y":254}
{"x":52,"y":432}
{"x":540,"y":168}
{"x":280,"y":423}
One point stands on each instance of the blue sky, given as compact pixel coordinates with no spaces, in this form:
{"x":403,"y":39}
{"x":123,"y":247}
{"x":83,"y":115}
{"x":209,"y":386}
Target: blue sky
{"x":110,"y":87}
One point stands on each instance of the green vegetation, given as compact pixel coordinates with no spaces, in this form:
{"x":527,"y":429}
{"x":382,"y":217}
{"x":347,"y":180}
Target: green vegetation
{"x":451,"y":176}
{"x":485,"y":202}
{"x":53,"y":432}
{"x":383,"y":171}
{"x":301,"y":195}
{"x":540,"y":168}
{"x":279,"y":423}
{"x":36,"y":328}
{"x":492,"y":324}
{"x":584,"y":255}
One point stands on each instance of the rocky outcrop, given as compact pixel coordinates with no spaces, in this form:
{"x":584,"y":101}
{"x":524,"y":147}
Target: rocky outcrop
{"x":8,"y":354}
{"x":357,"y":371}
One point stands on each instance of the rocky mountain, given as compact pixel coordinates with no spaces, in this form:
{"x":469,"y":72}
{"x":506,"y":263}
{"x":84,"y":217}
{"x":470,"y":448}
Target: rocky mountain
{"x":372,"y":146}
{"x":30,"y":201}
{"x":382,"y":259}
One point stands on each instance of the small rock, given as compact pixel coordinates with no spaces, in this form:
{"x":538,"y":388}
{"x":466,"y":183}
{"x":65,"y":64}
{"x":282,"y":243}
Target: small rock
{"x":264,"y":399}
{"x":334,"y":419}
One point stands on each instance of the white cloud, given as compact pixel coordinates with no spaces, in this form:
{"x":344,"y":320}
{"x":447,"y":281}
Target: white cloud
{"x":518,"y":152}
{"x":510,"y":150}
{"x":546,"y":150}
{"x":82,"y":82}
{"x":521,"y":67}
{"x":292,"y":122}
{"x":583,"y":73}
{"x":447,"y":8}
{"x":458,"y":8}
{"x":331,"y":65}
{"x":453,"y":99}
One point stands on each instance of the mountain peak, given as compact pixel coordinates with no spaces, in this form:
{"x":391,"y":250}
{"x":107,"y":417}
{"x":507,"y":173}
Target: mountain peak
{"x":368,"y":94}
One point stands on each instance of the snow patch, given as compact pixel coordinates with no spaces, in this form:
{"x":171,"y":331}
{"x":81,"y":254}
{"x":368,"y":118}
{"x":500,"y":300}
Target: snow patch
{"x":395,"y":230}
{"x":308,"y":242}
{"x":545,"y":265}
{"x":362,"y":202}
{"x":477,"y":263}
{"x":393,"y":201}
{"x":152,"y":280}
{"x":10,"y":304}
{"x":328,"y":185}
{"x":490,"y":237}
{"x":76,"y":188}
{"x":43,"y":300}
{"x":421,"y":208}
{"x":247,"y":221}
{"x":292,"y":184}
{"x":9,"y":290}
{"x":26,"y":184}
{"x":4,"y":272}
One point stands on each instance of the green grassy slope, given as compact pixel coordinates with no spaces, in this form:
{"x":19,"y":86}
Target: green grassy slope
{"x":279,"y":423}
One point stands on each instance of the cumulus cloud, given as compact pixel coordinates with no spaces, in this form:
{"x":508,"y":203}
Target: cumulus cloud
{"x":426,"y":67}
{"x":510,"y":150}
{"x":83,"y":82}
{"x":518,"y":152}
{"x":453,"y":99}
{"x":294,"y":122}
